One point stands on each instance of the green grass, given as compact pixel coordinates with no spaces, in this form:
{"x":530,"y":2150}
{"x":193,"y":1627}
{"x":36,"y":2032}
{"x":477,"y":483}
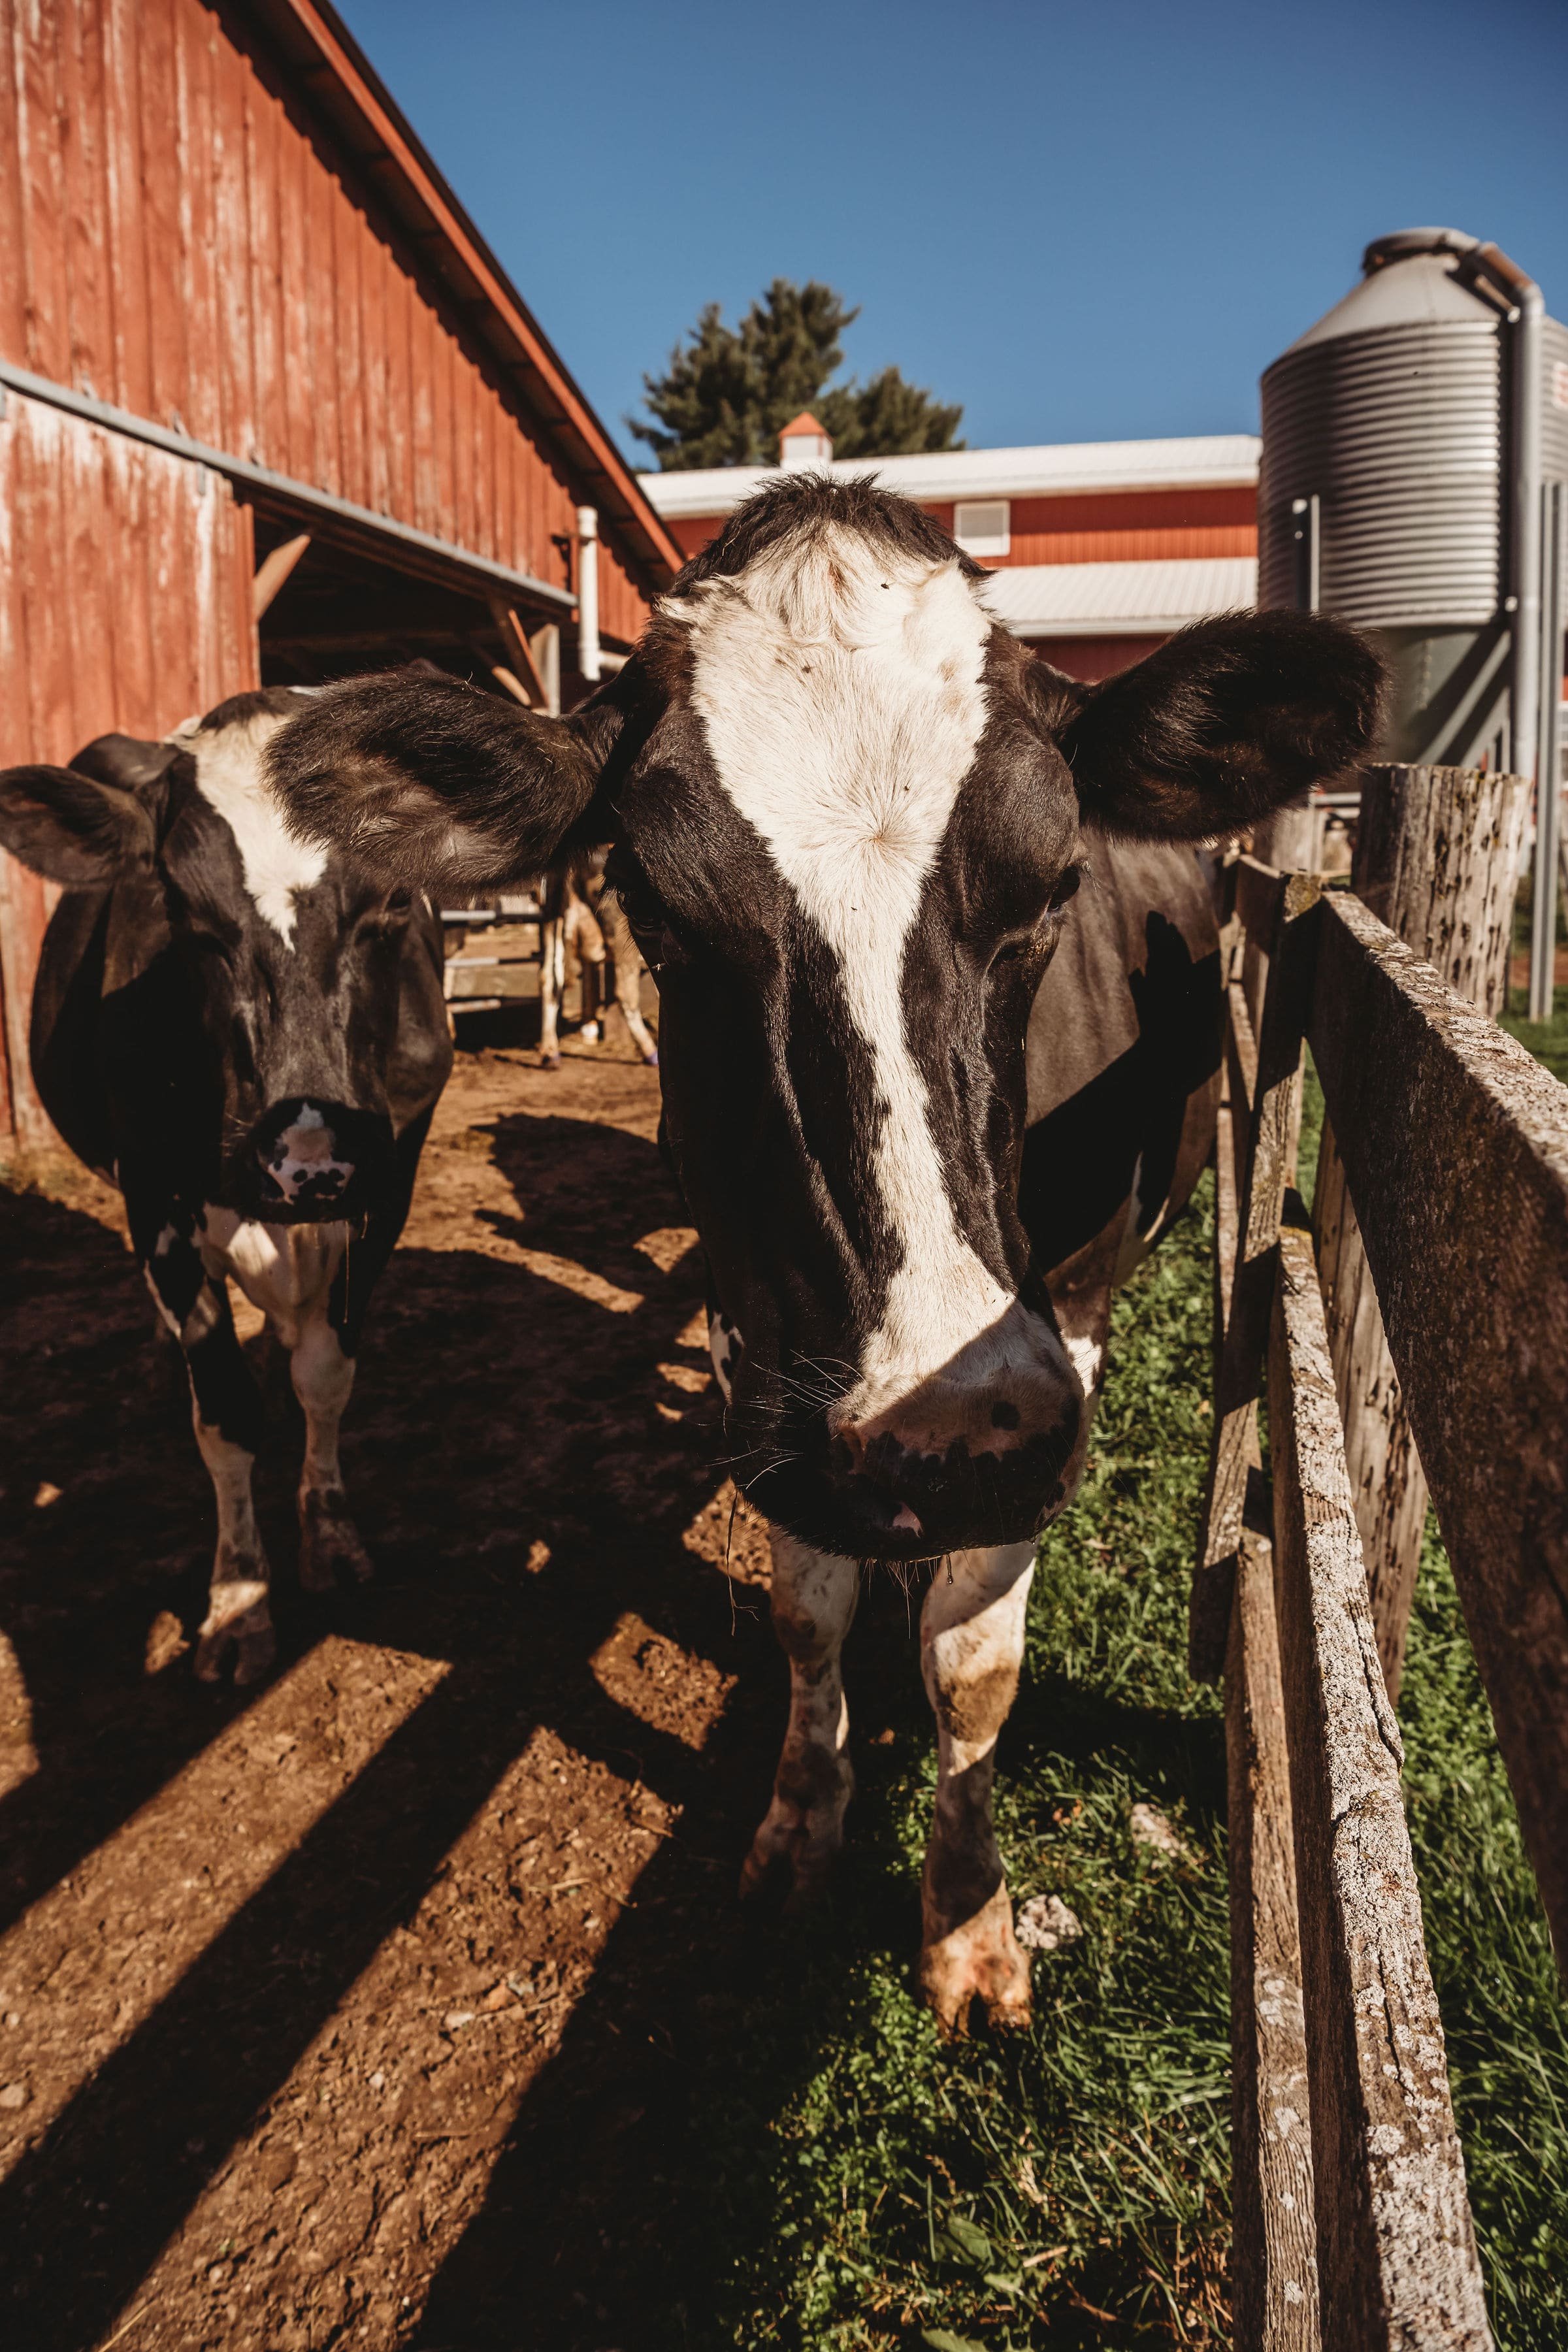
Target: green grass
{"x":993,"y":2194}
{"x":1547,"y":1040}
{"x":868,"y":2185}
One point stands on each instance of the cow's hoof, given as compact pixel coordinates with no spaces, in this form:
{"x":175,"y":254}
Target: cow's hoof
{"x":652,"y":1060}
{"x":550,"y":1061}
{"x":251,"y":1639}
{"x":330,"y":1551}
{"x":589,"y":1033}
{"x":807,"y":1835}
{"x":979,"y":1962}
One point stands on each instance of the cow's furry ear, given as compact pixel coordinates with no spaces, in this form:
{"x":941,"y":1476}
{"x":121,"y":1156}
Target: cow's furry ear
{"x":71,"y":828}
{"x":127,"y":761}
{"x":427,"y":782}
{"x":1221,"y":725}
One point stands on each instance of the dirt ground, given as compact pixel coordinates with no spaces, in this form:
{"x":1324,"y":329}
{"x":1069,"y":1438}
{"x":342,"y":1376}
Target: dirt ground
{"x":352,"y":2011}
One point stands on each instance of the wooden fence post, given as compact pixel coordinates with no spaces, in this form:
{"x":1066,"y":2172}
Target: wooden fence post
{"x":1276,"y":912}
{"x":1273,"y":2251}
{"x":1436,"y":856}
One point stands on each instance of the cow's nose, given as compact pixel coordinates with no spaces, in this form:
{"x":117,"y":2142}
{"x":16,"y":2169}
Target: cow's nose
{"x":304,"y":1160}
{"x":997,"y":1423}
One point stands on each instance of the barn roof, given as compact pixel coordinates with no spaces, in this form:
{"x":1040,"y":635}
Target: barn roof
{"x":1119,"y":600}
{"x":1196,"y":461}
{"x":333,"y":77}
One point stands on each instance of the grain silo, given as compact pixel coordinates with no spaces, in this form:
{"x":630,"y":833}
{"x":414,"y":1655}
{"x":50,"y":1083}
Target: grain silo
{"x":1415,"y":450}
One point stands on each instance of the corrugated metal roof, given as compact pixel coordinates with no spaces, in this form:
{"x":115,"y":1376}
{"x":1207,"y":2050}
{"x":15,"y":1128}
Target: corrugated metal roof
{"x":1198,"y":461}
{"x":1119,"y":600}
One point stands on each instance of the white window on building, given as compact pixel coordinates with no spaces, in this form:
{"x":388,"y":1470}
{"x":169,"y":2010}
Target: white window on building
{"x":984,"y":527}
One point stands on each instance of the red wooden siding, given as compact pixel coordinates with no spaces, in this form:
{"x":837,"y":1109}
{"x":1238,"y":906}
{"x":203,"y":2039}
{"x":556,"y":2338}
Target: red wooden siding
{"x":1090,"y":526}
{"x":179,"y":237}
{"x":124,"y":604}
{"x":1090,"y":658}
{"x":1126,"y":526}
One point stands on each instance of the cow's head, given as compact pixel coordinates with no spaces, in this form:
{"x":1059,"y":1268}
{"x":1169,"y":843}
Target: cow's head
{"x":848,"y":811}
{"x":252,"y":984}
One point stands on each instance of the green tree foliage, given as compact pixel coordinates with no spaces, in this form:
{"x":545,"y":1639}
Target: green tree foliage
{"x":727,"y":391}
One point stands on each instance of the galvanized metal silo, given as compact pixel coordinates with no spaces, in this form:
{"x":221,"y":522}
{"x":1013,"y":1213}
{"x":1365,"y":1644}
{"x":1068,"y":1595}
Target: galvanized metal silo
{"x":1406,"y":438}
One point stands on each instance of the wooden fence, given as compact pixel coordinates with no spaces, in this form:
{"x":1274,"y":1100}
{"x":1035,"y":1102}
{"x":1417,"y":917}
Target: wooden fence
{"x":1413,"y":1330}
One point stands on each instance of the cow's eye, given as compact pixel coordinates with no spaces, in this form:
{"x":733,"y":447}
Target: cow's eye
{"x":389,"y":916}
{"x":1067,"y":887}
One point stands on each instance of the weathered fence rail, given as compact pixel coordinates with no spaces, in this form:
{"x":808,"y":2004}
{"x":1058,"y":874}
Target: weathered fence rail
{"x":1436,"y":1287}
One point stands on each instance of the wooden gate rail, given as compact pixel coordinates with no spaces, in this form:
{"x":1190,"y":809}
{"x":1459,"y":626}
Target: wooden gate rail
{"x":1351,"y":2223}
{"x":1454,"y":1145}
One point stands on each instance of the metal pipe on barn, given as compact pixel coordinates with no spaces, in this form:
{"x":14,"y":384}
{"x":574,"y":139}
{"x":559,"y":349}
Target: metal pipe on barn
{"x":588,"y":594}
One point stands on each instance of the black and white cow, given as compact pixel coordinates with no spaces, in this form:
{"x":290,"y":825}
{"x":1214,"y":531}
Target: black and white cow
{"x":922,"y":1109}
{"x":246,"y":1033}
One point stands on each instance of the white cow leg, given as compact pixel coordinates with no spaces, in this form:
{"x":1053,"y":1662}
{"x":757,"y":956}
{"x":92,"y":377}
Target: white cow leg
{"x":329,"y":1540}
{"x":552,"y":983}
{"x":628,"y":976}
{"x":583,"y":936}
{"x":814,"y":1597}
{"x":972,"y":1641}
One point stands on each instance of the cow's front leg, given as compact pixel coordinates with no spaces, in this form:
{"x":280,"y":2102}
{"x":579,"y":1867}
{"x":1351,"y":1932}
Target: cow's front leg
{"x":323,"y":1377}
{"x":814,"y":1596}
{"x":972,"y":1641}
{"x":628,"y":976}
{"x":225,"y":1410}
{"x":552,"y":986}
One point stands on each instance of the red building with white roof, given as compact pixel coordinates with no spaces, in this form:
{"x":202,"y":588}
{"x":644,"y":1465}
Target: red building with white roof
{"x":1101,"y":548}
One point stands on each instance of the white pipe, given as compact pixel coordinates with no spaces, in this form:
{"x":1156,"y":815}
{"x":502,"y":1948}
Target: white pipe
{"x":1527,"y":402}
{"x":588,"y":594}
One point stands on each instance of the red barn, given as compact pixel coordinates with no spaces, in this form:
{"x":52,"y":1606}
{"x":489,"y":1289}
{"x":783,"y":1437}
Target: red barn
{"x":269,"y":409}
{"x":1101,"y":548}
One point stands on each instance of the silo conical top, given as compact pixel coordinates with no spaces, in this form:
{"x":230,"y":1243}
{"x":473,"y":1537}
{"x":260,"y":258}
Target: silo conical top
{"x":1406,"y":288}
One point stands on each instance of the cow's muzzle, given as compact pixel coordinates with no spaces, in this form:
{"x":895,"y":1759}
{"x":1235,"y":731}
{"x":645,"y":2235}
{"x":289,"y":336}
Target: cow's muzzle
{"x":311,"y":1161}
{"x":973,"y":1452}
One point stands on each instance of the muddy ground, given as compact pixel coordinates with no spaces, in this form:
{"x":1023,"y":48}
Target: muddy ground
{"x":358,"y":2009}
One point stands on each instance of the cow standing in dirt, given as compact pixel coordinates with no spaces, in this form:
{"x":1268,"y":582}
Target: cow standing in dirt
{"x":246,"y":1034}
{"x":578,"y":915}
{"x":926,"y":1104}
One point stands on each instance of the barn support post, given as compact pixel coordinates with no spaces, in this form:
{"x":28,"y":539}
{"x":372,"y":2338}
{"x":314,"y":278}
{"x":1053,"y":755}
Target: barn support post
{"x":1437,"y":853}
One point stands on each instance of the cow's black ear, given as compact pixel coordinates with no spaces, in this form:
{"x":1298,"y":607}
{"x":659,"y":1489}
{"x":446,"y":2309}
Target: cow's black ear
{"x":71,"y":828}
{"x":427,"y":782}
{"x":124,"y":761}
{"x":1221,"y":725}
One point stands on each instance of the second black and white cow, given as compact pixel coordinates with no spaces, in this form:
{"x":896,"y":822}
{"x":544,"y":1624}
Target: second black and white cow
{"x":247,"y":1034}
{"x":926,"y":1095}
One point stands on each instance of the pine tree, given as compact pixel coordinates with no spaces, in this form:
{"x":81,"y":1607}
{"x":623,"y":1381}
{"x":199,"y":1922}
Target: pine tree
{"x":727,"y":391}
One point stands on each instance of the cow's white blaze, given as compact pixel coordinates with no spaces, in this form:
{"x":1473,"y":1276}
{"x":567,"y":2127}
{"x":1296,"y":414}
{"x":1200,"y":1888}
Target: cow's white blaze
{"x":230,"y":778}
{"x":842,"y":692}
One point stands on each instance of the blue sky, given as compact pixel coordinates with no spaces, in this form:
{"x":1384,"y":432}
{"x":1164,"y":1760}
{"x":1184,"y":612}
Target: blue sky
{"x":1083,"y":222}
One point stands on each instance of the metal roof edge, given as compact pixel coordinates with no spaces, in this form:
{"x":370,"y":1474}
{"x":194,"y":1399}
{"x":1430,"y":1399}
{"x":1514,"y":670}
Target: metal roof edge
{"x":1020,"y":472}
{"x":280,"y":486}
{"x":596,"y":464}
